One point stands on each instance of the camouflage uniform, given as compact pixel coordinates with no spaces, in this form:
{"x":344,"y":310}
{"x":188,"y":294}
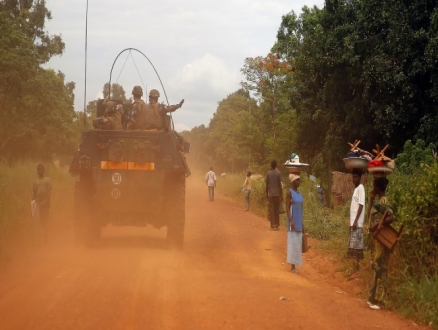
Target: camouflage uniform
{"x":112,"y":119}
{"x":136,"y":109}
{"x":151,"y":116}
{"x":136,"y":114}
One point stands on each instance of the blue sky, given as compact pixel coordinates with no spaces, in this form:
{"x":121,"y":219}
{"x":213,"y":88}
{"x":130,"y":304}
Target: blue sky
{"x":197,"y":47}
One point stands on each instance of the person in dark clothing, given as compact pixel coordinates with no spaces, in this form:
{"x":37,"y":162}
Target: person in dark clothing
{"x":274,"y":195}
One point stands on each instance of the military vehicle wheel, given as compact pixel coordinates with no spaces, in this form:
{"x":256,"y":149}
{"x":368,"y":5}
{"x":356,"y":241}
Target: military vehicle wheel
{"x":83,"y":214}
{"x":175,"y":195}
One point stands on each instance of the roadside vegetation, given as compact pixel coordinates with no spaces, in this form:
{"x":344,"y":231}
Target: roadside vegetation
{"x":413,"y":277}
{"x":351,"y":70}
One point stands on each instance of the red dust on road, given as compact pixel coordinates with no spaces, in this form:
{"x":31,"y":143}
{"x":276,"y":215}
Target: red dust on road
{"x":231,"y":275}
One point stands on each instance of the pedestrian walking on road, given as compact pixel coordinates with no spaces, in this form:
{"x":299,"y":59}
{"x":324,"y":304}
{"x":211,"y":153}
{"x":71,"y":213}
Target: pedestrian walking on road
{"x":379,"y":254}
{"x":210,"y":180}
{"x":247,"y":190}
{"x":41,"y":191}
{"x":274,"y":195}
{"x":294,"y":223}
{"x":357,"y":215}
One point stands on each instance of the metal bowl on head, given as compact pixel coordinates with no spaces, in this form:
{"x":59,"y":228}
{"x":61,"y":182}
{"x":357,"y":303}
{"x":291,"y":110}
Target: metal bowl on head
{"x":355,"y":162}
{"x":380,"y":171}
{"x":294,"y":169}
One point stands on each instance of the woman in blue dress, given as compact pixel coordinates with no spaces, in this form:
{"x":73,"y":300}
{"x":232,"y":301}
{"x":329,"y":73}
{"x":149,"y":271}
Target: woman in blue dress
{"x":294,"y":223}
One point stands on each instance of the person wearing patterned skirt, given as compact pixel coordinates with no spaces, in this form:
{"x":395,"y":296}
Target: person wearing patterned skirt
{"x":379,"y":254}
{"x":357,"y":212}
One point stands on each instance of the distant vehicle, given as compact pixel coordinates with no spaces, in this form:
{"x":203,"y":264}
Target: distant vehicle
{"x":130,"y":178}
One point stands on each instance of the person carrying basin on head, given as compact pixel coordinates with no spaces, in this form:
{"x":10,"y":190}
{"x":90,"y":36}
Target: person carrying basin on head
{"x":379,"y":254}
{"x":294,"y":223}
{"x":357,"y":215}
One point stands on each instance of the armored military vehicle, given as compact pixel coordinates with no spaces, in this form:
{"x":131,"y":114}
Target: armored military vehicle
{"x":130,"y":178}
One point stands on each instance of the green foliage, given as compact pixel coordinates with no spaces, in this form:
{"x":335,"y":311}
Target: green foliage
{"x":36,"y":105}
{"x":239,"y":136}
{"x":416,"y":206}
{"x":321,"y":222}
{"x":236,"y":138}
{"x":418,"y":299}
{"x":362,"y":70}
{"x":413,"y":155}
{"x":117,"y":92}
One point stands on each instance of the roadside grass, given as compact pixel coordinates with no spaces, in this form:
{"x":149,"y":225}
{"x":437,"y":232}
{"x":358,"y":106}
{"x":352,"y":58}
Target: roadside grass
{"x":17,"y":229}
{"x":231,"y":186}
{"x":415,"y":298}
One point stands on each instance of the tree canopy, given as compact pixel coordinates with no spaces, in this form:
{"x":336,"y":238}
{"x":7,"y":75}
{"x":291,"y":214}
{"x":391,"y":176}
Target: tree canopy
{"x":353,"y":69}
{"x":36,"y":105}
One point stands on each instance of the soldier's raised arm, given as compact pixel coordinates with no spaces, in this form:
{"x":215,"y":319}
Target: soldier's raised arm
{"x":172,"y":108}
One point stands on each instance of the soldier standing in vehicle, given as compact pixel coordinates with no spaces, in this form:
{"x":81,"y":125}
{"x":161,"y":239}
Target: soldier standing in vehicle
{"x":42,"y":190}
{"x":152,"y":115}
{"x":112,"y":119}
{"x":137,"y":109}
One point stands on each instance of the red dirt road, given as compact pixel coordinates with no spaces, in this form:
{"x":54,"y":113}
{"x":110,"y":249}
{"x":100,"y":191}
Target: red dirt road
{"x":230,"y":276}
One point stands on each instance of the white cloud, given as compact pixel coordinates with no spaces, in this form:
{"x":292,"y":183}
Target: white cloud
{"x":202,"y":83}
{"x":180,"y":127}
{"x":198,"y":47}
{"x":206,"y":77}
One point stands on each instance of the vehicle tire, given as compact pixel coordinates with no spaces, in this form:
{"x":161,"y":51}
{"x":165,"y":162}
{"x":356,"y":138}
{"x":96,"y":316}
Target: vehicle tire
{"x":84,"y":230}
{"x":175,"y":207}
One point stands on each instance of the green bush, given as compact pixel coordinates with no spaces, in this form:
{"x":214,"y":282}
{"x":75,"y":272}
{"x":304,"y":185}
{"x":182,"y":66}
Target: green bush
{"x":415,"y":202}
{"x":413,"y":155}
{"x":329,"y":226}
{"x":417,"y":298}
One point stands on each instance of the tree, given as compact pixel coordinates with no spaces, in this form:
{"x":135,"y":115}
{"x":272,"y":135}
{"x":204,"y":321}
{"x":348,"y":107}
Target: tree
{"x":362,"y":70}
{"x":34,"y":101}
{"x":408,"y":161}
{"x":117,"y":92}
{"x":265,"y":76}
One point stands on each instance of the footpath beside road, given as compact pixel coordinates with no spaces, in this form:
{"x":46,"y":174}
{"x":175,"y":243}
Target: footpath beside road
{"x":231,"y":275}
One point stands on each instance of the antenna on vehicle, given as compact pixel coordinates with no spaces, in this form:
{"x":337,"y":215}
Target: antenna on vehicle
{"x":86,"y":49}
{"x":153,"y":67}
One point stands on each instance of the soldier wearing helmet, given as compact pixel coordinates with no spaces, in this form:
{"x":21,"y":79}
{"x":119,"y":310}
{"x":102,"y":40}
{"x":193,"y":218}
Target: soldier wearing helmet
{"x":153,"y":114}
{"x":136,"y":109}
{"x":112,"y":118}
{"x":137,"y":91}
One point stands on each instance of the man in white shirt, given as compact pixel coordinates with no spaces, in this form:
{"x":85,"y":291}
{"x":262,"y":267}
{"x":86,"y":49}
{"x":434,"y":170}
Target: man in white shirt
{"x":210,"y":180}
{"x":357,"y":215}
